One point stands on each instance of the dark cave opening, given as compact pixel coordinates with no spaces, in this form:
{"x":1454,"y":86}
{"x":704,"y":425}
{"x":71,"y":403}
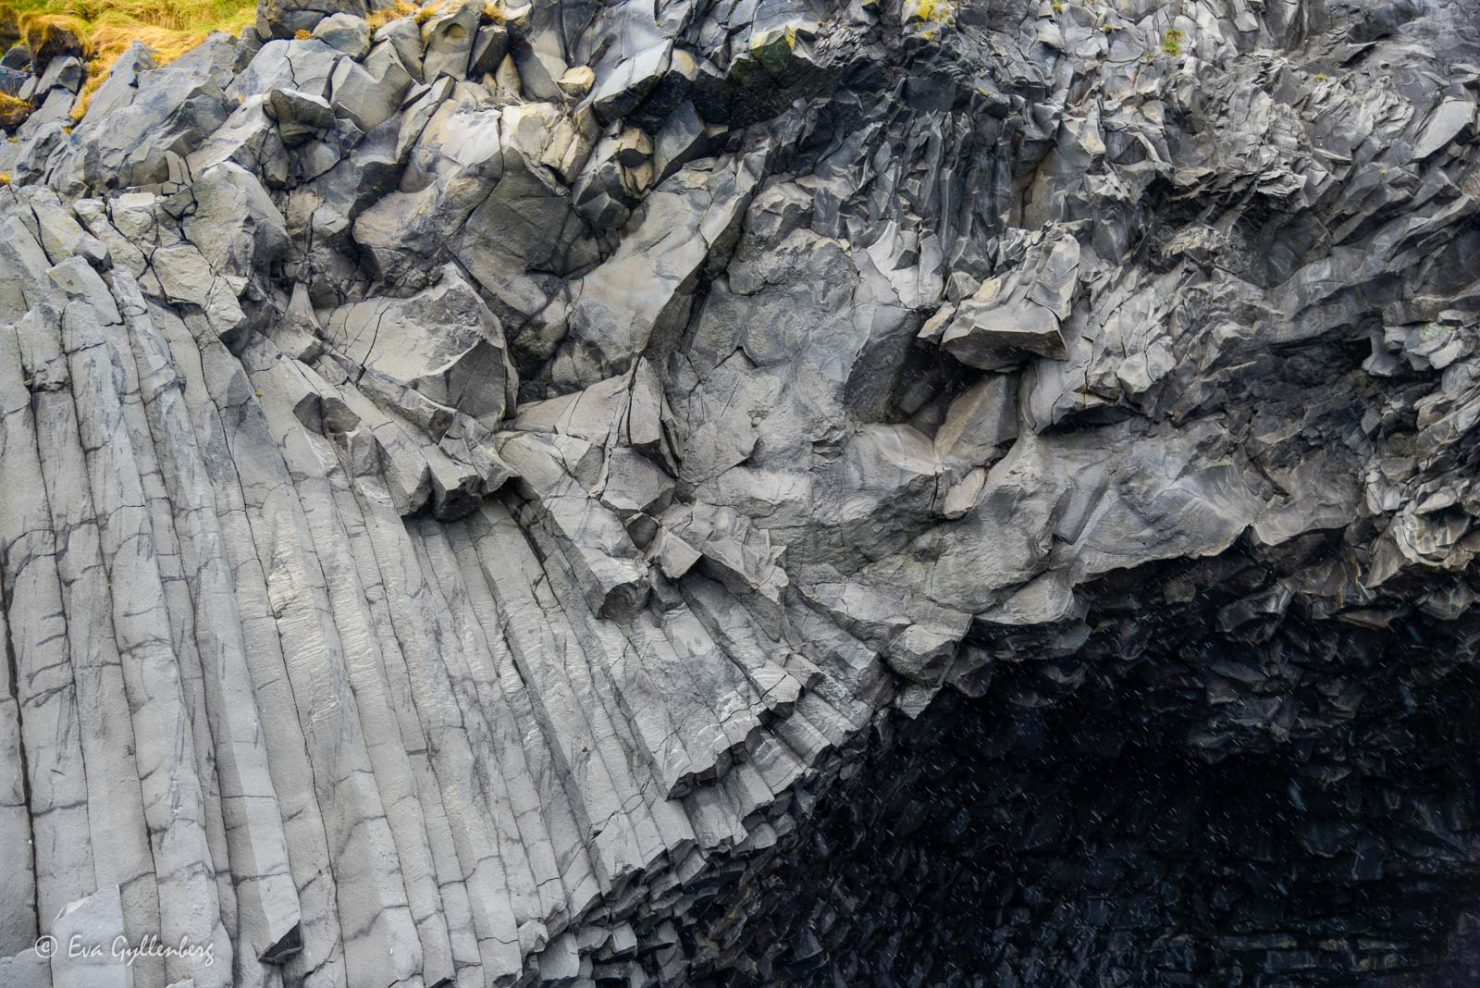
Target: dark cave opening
{"x":1085,"y":842}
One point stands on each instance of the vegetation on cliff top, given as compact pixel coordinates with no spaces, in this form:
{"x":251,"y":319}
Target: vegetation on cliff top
{"x":104,"y":31}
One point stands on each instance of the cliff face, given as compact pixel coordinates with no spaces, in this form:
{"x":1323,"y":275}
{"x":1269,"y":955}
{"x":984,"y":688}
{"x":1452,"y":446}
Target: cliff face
{"x":492,"y":498}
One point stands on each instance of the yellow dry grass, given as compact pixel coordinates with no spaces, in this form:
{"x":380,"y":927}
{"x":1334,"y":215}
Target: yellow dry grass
{"x":169,"y":28}
{"x":492,"y":12}
{"x":380,"y":18}
{"x":13,"y":112}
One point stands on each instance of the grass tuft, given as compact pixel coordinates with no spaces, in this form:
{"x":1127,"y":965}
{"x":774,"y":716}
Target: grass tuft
{"x":13,"y":112}
{"x":380,"y":18}
{"x":50,"y":36}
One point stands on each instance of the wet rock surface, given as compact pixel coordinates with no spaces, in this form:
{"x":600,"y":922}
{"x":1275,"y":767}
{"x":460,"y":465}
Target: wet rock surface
{"x":917,"y":493}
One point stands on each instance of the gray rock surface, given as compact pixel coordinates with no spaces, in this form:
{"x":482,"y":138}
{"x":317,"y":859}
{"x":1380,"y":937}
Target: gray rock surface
{"x":474,"y":484}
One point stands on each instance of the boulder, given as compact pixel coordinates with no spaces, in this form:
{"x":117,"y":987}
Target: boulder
{"x":285,"y":18}
{"x":442,"y":343}
{"x":370,"y":92}
{"x":448,"y":40}
{"x":1021,"y":311}
{"x":300,"y":117}
{"x":172,"y":112}
{"x":345,"y":32}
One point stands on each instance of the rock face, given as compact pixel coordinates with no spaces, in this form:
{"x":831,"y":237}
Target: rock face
{"x":562,"y":494}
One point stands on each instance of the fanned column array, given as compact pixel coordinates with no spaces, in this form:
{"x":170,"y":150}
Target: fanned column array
{"x":472,"y":478}
{"x":271,"y":717}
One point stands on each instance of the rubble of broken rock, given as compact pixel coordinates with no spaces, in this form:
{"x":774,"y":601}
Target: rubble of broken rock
{"x":971,"y":492}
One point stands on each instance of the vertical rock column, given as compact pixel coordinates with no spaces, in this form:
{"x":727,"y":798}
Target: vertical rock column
{"x":267,"y":907}
{"x":116,"y":821}
{"x":328,"y":519}
{"x":18,"y":894}
{"x":379,"y":939}
{"x":316,"y":956}
{"x":172,"y":790}
{"x":38,"y":673}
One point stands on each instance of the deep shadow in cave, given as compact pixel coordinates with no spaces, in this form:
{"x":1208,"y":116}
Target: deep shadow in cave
{"x":1085,"y":843}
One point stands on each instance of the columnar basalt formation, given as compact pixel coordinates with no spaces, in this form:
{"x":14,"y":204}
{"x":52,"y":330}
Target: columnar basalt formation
{"x":501,"y":495}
